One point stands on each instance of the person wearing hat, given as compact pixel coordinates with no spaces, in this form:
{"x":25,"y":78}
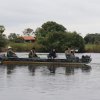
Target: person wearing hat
{"x":10,"y":52}
{"x":32,"y":53}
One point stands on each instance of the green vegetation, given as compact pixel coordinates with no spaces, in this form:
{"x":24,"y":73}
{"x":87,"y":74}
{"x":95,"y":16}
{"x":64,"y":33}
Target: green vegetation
{"x":28,"y":31}
{"x":61,"y":40}
{"x":20,"y":47}
{"x":13,"y":37}
{"x":51,"y":35}
{"x":49,"y":27}
{"x":92,"y":48}
{"x":92,"y":38}
{"x":3,"y":40}
{"x":92,"y":42}
{"x":23,"y":47}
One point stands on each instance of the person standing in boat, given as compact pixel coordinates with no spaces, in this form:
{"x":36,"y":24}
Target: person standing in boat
{"x":52,"y":54}
{"x":10,"y":52}
{"x":68,"y":53}
{"x":32,"y":53}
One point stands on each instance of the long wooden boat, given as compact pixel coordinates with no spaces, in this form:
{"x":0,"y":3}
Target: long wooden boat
{"x":75,"y":61}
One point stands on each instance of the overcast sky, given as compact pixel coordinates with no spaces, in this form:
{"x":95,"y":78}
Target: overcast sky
{"x":82,"y":16}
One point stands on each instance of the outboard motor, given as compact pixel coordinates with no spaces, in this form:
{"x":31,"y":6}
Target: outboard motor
{"x":86,"y":59}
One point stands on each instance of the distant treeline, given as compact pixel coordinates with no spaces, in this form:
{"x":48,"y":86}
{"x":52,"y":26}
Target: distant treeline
{"x":92,"y":42}
{"x":51,"y":35}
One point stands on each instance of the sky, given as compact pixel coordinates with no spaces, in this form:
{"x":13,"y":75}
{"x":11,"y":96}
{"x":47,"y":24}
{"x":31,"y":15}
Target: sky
{"x":82,"y":16}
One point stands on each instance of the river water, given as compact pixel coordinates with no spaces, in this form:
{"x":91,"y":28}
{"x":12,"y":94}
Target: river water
{"x":32,"y":82}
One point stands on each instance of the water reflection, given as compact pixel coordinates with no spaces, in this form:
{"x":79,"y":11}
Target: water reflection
{"x":10,"y":69}
{"x":32,"y":68}
{"x":69,"y":70}
{"x":52,"y":68}
{"x":86,"y":68}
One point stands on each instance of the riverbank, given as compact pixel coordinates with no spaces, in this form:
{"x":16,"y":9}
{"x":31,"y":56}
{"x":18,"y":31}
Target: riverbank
{"x":95,"y":48}
{"x":25,"y":47}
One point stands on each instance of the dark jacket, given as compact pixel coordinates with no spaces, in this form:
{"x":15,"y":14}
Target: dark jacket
{"x":52,"y":54}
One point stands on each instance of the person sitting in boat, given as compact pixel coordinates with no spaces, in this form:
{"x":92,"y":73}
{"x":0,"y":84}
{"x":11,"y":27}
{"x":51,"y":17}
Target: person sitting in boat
{"x":32,"y":53}
{"x":68,"y":53}
{"x":52,"y":54}
{"x":72,"y":55}
{"x":11,"y":53}
{"x":2,"y":56}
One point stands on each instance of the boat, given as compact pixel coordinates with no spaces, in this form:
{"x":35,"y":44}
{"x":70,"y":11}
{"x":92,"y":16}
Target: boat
{"x":71,"y":61}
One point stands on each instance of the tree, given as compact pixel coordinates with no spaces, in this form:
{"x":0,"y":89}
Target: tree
{"x":61,"y":40}
{"x":28,"y":31}
{"x":92,"y":38}
{"x":77,"y":41}
{"x":2,"y":29}
{"x":53,"y":35}
{"x":13,"y":37}
{"x":3,"y":40}
{"x":50,"y":27}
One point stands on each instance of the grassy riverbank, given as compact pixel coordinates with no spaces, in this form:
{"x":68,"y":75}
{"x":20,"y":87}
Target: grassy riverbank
{"x":22,"y":47}
{"x":92,"y":48}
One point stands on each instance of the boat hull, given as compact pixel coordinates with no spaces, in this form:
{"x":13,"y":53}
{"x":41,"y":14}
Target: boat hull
{"x":43,"y":61}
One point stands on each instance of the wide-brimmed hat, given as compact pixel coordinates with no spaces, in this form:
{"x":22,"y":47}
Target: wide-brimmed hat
{"x":9,"y":47}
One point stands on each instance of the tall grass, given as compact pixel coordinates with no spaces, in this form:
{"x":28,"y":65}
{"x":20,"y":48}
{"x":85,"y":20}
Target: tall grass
{"x":20,"y":47}
{"x":92,"y":48}
{"x":24,"y":47}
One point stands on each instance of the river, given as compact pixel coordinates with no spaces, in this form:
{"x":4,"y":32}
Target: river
{"x":42,"y":82}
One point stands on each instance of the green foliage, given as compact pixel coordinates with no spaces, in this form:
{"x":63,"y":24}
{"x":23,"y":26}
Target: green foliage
{"x":55,"y":40}
{"x":50,"y":26}
{"x":50,"y":35}
{"x":53,"y":35}
{"x":13,"y":37}
{"x":20,"y":47}
{"x":61,"y":40}
{"x":92,"y":48}
{"x":2,"y":29}
{"x":92,"y":38}
{"x":3,"y":40}
{"x":77,"y":41}
{"x":28,"y":31}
